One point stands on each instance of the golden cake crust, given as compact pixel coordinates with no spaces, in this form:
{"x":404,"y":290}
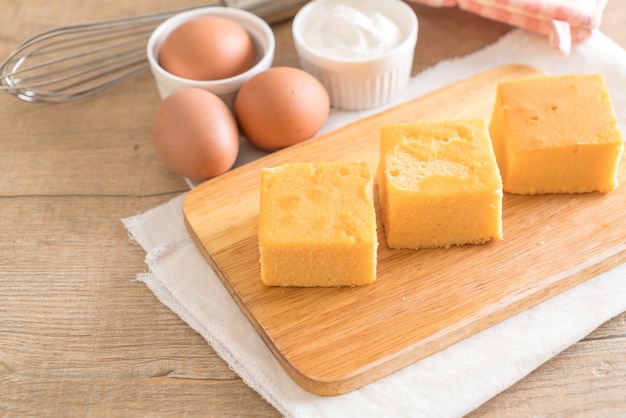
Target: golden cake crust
{"x":317,"y":225}
{"x":439,"y":184}
{"x":556,"y":134}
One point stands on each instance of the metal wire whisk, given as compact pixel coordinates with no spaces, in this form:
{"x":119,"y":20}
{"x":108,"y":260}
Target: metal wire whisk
{"x":72,"y":62}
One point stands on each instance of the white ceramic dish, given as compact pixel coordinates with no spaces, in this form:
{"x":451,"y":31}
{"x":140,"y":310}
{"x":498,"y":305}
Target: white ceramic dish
{"x":259,"y":30}
{"x":360,"y":83}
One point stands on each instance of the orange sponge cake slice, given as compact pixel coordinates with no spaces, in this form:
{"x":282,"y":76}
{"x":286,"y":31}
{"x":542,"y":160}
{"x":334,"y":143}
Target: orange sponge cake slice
{"x":317,"y":225}
{"x":439,"y":184}
{"x":556,"y":134}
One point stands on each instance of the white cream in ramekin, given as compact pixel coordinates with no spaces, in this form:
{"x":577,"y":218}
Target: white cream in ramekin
{"x":361,"y":50}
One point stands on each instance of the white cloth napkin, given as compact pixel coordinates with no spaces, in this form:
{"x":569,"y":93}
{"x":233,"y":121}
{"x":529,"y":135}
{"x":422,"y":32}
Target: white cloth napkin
{"x":449,"y":383}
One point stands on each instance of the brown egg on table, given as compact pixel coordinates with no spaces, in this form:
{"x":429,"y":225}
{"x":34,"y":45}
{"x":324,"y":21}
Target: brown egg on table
{"x":195,"y":134}
{"x":207,"y":48}
{"x":281,"y":107}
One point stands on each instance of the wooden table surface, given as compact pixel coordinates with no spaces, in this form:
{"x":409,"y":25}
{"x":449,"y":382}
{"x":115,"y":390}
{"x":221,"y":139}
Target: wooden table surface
{"x":80,"y":337}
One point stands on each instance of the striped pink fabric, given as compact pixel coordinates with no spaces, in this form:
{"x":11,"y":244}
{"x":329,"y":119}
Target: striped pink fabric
{"x":563,"y":21}
{"x":437,"y":3}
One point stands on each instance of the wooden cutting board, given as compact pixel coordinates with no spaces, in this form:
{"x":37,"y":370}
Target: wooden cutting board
{"x":334,"y":340}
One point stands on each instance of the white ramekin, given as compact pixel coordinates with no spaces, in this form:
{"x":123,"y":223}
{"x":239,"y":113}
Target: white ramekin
{"x":356,"y":84}
{"x":259,"y":30}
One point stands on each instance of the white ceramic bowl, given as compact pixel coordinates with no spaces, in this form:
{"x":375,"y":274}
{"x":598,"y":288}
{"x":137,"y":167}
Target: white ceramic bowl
{"x":259,"y":30}
{"x":359,"y":83}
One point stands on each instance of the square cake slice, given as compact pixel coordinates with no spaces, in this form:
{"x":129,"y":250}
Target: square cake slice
{"x":556,"y":134}
{"x":317,"y":225}
{"x":439,"y":184}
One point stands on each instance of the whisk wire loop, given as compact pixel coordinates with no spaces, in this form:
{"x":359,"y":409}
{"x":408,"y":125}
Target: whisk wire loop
{"x":70,"y":62}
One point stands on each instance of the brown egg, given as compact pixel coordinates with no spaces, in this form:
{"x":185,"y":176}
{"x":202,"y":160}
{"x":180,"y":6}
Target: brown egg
{"x":195,"y":134}
{"x":207,"y":48}
{"x":280,"y":107}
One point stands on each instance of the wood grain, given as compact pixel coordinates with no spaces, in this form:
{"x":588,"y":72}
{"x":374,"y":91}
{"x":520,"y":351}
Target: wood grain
{"x":79,"y":337}
{"x":332,"y":341}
